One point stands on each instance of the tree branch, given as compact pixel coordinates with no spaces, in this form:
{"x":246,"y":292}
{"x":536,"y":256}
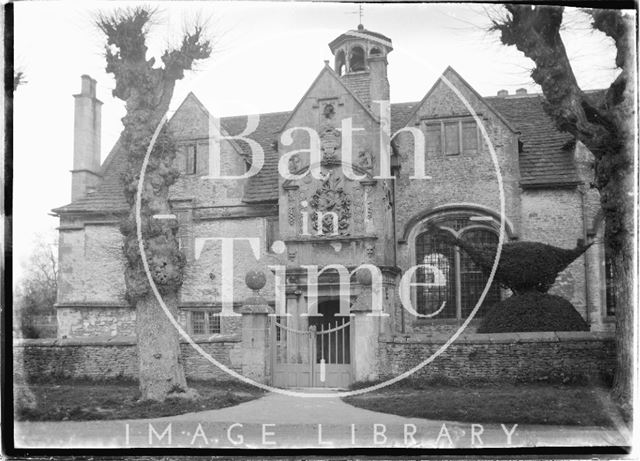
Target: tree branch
{"x":535,"y":31}
{"x":193,"y":48}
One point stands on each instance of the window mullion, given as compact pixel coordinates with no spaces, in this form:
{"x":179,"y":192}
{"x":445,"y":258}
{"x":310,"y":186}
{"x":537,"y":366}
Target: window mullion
{"x":195,"y":158}
{"x":458,"y":284}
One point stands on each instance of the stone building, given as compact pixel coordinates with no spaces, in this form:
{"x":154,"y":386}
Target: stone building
{"x":368,"y":198}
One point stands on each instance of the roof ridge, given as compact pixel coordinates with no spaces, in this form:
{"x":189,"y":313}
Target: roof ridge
{"x":544,"y":160}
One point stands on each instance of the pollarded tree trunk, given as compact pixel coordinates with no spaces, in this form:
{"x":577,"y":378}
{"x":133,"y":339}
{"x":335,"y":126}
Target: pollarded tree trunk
{"x":620,"y":199}
{"x":605,"y":127}
{"x":159,"y":360}
{"x":160,"y":369}
{"x":147,"y":91}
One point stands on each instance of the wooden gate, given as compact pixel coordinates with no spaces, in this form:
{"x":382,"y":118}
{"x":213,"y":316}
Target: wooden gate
{"x":319,"y":356}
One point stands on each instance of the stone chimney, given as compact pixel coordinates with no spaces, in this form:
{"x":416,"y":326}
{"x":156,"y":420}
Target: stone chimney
{"x":503,"y":93}
{"x":86,"y":139}
{"x":521,"y":91}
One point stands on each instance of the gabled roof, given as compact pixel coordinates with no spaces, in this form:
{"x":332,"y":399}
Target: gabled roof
{"x":328,"y":70}
{"x":545,"y":160}
{"x":547,"y":154}
{"x":263,"y":187}
{"x":450,"y":71}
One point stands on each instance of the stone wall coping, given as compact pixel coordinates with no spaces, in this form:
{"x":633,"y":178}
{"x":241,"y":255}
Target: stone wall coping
{"x":111,"y":341}
{"x":256,"y":306}
{"x":501,"y":338}
{"x":92,"y":305}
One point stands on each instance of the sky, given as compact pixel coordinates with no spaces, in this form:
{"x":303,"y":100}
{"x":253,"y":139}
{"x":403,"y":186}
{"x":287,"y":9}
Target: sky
{"x":265,"y":57}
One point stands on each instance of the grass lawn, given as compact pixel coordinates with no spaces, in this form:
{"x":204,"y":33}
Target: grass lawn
{"x":78,"y":400}
{"x":516,"y":404}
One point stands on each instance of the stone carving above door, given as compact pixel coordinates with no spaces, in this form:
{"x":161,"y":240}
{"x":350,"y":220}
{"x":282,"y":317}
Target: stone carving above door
{"x":331,"y":197}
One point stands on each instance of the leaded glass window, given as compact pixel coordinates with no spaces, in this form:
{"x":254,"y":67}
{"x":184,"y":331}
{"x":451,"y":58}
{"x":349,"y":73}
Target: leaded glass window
{"x":434,"y":249}
{"x":451,"y":138}
{"x":463,"y":281}
{"x":203,"y":322}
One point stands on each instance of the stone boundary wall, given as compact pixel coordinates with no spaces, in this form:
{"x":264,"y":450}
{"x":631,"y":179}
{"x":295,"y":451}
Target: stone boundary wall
{"x":113,"y":357}
{"x":504,"y":357}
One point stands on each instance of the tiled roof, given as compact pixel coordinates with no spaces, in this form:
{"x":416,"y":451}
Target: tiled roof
{"x":547,"y":154}
{"x":263,"y":186}
{"x":545,"y":159}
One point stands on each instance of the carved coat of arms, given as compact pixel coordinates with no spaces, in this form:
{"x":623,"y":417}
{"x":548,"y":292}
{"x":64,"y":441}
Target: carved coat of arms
{"x":330,"y":140}
{"x":331,"y":197}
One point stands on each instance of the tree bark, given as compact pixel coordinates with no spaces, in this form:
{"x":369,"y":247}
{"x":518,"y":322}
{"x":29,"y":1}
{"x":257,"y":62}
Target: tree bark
{"x":159,"y":360}
{"x":147,"y":91}
{"x":606,"y":128}
{"x":620,"y":189}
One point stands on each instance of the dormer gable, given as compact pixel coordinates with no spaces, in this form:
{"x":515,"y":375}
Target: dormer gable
{"x":190,"y":125}
{"x":451,"y":96}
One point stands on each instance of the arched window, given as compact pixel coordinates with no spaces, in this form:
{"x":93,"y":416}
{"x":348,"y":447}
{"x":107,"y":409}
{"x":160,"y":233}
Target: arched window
{"x":472,"y":279}
{"x":434,"y":249}
{"x":375,"y":51}
{"x":340,"y":62}
{"x":463,"y":281}
{"x":356,"y":59}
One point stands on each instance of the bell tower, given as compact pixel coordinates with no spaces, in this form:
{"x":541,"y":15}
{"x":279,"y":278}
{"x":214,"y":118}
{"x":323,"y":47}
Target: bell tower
{"x":360,"y":59}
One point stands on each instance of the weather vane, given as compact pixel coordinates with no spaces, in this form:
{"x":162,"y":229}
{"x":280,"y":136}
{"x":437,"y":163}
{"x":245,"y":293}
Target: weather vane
{"x":360,"y":13}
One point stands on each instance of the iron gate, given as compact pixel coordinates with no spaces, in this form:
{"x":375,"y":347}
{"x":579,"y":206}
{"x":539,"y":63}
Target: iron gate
{"x":319,"y":356}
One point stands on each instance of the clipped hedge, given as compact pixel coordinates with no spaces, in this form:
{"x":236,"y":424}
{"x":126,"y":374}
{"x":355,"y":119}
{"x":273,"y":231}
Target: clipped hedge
{"x":524,"y":266}
{"x":533,"y":311}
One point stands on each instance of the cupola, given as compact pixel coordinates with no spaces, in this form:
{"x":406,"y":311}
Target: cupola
{"x":361,"y":61}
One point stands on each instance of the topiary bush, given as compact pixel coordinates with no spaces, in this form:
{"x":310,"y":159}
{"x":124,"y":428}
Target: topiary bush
{"x":529,"y":270}
{"x":524,"y":266}
{"x":533,"y":311}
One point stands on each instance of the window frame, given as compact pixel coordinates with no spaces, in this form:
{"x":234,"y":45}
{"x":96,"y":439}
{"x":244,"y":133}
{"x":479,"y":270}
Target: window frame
{"x":187,"y":155}
{"x":443,"y":122}
{"x":208,"y":315}
{"x":455,"y":264}
{"x":457,"y":135}
{"x":602,"y":261}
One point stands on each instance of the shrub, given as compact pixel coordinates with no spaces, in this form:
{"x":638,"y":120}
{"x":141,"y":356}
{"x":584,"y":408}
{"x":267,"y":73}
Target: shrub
{"x":532,"y":311}
{"x":523,"y":265}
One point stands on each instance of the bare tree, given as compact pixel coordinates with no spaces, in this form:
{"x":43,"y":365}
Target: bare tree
{"x":605,"y":126}
{"x":147,"y":91}
{"x":35,"y":295}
